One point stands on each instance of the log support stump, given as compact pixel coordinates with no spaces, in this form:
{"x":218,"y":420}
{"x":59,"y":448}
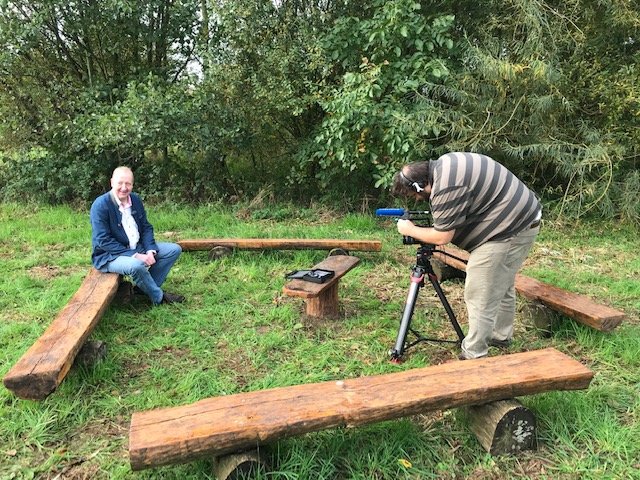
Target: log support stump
{"x":504,"y":427}
{"x":124,"y":294}
{"x":91,"y":353}
{"x":218,"y":252}
{"x":325,"y":305}
{"x":237,"y":466}
{"x":541,"y":317}
{"x":446,"y":272}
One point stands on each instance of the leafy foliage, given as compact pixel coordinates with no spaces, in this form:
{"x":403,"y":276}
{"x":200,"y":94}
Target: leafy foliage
{"x":387,"y":108}
{"x":207,"y":99}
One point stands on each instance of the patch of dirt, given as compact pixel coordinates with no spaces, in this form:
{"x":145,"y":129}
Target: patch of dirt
{"x":176,"y":353}
{"x":107,"y":427}
{"x":81,"y":449}
{"x":241,"y":368}
{"x":78,"y":469}
{"x":533,"y":465}
{"x":45,"y":272}
{"x":133,"y":368}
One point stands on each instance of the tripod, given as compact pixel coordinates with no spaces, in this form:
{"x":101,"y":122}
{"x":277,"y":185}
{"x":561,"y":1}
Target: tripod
{"x":421,"y":269}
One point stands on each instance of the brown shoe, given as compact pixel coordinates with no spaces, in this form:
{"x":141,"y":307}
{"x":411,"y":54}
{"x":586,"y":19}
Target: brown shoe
{"x":172,"y":298}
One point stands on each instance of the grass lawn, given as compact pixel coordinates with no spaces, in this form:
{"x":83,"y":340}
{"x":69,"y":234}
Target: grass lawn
{"x":237,"y":333}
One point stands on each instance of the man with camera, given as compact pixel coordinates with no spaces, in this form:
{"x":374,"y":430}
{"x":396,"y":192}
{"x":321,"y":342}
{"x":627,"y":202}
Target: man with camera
{"x":123,"y":241}
{"x":480,"y":206}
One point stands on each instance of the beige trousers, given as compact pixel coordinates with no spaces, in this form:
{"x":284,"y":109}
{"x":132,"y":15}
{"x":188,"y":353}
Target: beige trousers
{"x":489,"y":291}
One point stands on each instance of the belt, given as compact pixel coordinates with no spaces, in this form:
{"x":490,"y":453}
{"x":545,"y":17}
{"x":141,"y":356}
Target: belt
{"x":535,"y":224}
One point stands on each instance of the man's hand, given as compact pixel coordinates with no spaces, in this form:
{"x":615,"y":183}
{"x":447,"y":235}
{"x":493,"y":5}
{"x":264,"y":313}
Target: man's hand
{"x":147,"y":258}
{"x":424,"y":234}
{"x":405,"y":227}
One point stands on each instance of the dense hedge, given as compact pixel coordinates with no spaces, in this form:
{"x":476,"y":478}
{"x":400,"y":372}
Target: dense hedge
{"x":318,"y":100}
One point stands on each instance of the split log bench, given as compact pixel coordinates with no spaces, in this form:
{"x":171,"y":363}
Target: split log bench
{"x":222,"y":425}
{"x":282,"y":244}
{"x":579,"y":307}
{"x":43,"y":366}
{"x":322,"y":298}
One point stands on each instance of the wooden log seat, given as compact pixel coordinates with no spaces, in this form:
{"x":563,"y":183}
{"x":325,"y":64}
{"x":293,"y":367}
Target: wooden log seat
{"x":44,"y":365}
{"x":579,"y":307}
{"x":322,"y":298}
{"x":282,"y":244}
{"x":220,"y":425}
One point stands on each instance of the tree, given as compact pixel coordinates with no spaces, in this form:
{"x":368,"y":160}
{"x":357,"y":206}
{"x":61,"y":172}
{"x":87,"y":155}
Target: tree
{"x":393,"y":100}
{"x":64,"y":64}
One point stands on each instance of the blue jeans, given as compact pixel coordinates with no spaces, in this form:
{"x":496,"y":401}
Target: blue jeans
{"x":147,"y":279}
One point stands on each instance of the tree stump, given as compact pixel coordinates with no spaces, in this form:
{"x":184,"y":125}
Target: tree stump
{"x":541,"y":316}
{"x":216,"y":253}
{"x":236,"y":466}
{"x":124,"y":294}
{"x":326,"y":304}
{"x":91,"y":353}
{"x":444,"y":271}
{"x":504,"y":427}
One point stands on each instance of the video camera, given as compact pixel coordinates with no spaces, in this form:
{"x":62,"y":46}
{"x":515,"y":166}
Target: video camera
{"x":416,"y":216}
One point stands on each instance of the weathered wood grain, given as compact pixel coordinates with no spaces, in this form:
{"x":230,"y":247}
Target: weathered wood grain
{"x":220,"y":425}
{"x":281,"y":244}
{"x":44,"y":365}
{"x":579,"y":307}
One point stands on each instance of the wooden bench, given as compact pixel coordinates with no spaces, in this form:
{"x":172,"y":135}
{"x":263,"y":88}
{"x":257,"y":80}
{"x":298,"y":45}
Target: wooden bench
{"x":230,"y":423}
{"x":579,"y":307}
{"x":43,"y":366}
{"x":322,"y":298}
{"x":282,"y":244}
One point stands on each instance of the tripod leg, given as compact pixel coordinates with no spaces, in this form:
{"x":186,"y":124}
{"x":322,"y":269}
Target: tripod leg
{"x":445,"y":303}
{"x":417,"y":280}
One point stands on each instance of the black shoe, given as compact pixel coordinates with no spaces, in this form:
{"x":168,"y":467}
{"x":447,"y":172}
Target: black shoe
{"x":172,"y":298}
{"x":499,"y":343}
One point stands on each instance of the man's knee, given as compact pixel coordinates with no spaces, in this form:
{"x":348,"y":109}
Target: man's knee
{"x":170,"y":249}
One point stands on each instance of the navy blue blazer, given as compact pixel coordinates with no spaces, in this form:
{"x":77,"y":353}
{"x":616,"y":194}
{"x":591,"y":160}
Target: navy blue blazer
{"x":108,"y":237}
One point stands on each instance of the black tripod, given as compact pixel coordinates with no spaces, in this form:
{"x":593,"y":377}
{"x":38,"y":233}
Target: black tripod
{"x":420,"y":269}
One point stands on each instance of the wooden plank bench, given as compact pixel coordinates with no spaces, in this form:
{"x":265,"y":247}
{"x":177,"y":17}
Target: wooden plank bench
{"x":579,"y":307}
{"x":43,"y":366}
{"x":282,"y":244}
{"x":230,"y":423}
{"x":322,"y":298}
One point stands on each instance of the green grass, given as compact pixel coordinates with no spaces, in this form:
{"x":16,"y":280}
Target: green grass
{"x":237,"y":333}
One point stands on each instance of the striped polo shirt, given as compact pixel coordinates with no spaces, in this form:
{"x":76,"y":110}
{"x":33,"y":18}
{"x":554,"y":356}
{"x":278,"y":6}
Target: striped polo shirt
{"x":479,"y":198}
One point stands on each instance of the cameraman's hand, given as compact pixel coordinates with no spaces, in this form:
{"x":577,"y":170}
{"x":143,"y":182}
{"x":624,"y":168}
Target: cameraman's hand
{"x":405,"y":227}
{"x":424,"y":234}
